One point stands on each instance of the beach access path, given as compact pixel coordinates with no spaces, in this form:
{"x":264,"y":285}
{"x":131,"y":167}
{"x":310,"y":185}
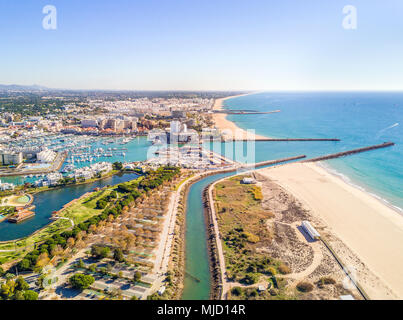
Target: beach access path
{"x":371,"y":229}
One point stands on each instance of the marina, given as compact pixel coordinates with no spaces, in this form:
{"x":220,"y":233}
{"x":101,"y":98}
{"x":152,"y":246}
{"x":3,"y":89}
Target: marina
{"x":80,"y":152}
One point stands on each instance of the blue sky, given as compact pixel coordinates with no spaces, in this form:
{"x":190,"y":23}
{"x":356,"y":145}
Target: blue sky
{"x":203,"y":45}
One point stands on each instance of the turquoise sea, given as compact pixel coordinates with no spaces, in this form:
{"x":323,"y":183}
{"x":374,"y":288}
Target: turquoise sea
{"x":357,"y":118}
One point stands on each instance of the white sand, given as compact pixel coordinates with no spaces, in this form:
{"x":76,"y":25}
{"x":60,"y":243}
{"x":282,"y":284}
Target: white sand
{"x":229,"y":128}
{"x":371,"y":229}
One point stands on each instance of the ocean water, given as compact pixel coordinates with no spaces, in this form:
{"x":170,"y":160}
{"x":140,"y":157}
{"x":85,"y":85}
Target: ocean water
{"x":357,"y":118}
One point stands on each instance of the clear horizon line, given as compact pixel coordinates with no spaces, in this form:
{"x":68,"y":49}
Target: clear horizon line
{"x":214,"y":90}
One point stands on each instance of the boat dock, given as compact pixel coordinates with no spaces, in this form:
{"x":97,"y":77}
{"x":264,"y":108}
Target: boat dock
{"x":347,"y":153}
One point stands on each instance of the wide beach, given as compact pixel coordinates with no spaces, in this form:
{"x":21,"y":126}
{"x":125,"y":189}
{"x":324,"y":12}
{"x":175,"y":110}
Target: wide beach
{"x":370,"y":230}
{"x":223,"y":124}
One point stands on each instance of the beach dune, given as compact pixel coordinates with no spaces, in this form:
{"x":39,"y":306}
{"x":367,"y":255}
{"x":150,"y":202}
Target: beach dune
{"x":369,"y":228}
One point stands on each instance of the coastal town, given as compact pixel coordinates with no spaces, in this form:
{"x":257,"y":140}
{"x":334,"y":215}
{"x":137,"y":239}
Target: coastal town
{"x":201,"y":159}
{"x":123,"y":171}
{"x":87,"y":143}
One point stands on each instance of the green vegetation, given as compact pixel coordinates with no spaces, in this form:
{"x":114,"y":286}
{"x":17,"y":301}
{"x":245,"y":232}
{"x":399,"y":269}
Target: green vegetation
{"x":305,"y":286}
{"x":137,"y":277}
{"x":31,"y":105}
{"x":118,"y":255}
{"x":17,"y":289}
{"x":81,"y":281}
{"x":86,"y":215}
{"x":5,"y":211}
{"x":100,"y":252}
{"x":243,"y":226}
{"x":257,"y":193}
{"x":117,"y":166}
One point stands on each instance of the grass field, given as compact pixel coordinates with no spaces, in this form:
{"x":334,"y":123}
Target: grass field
{"x":22,"y":247}
{"x":80,"y":211}
{"x":85,"y":208}
{"x":243,"y":226}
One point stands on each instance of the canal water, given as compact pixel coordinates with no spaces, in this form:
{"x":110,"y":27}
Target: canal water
{"x":197,"y":284}
{"x":48,"y":201}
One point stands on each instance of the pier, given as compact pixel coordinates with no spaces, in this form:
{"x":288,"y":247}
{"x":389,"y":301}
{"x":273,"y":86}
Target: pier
{"x":272,"y":162}
{"x":282,"y":139}
{"x":246,"y":111}
{"x":347,"y":153}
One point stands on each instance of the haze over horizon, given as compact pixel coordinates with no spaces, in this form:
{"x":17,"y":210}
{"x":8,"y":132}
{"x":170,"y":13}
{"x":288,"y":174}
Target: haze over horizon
{"x":209,"y":46}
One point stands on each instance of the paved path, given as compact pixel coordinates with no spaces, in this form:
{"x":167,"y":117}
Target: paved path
{"x":64,"y":218}
{"x":221,"y":258}
{"x":167,"y":236}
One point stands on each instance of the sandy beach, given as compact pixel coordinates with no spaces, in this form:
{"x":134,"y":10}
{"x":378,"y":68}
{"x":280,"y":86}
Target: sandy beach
{"x":225,"y":125}
{"x":365,"y":228}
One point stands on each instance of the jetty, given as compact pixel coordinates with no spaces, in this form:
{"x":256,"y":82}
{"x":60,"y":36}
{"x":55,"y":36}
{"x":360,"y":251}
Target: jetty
{"x":272,"y":162}
{"x":246,"y":111}
{"x":281,"y":139}
{"x":349,"y":152}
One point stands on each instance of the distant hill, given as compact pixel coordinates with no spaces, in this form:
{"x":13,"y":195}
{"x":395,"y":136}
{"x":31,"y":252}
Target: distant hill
{"x":16,"y":87}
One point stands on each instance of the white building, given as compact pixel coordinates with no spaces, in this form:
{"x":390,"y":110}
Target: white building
{"x":54,"y":178}
{"x":175,"y":127}
{"x":161,"y":290}
{"x":92,"y":171}
{"x":8,"y":158}
{"x":261,"y":288}
{"x":247,"y":180}
{"x":6,"y":186}
{"x":310,"y":230}
{"x":45,"y":156}
{"x":180,"y":133}
{"x":50,"y":180}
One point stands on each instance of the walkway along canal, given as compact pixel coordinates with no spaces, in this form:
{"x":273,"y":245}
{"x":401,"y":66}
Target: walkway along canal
{"x":198,"y":278}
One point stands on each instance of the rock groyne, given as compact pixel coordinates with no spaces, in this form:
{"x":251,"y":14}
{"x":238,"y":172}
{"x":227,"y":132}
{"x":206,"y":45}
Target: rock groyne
{"x":350,"y":152}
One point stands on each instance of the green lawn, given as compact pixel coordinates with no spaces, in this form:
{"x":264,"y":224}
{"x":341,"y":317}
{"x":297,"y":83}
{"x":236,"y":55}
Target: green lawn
{"x":78,"y":212}
{"x":85,"y":208}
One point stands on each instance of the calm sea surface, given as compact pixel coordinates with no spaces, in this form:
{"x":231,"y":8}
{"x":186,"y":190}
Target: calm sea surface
{"x":358,"y":119}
